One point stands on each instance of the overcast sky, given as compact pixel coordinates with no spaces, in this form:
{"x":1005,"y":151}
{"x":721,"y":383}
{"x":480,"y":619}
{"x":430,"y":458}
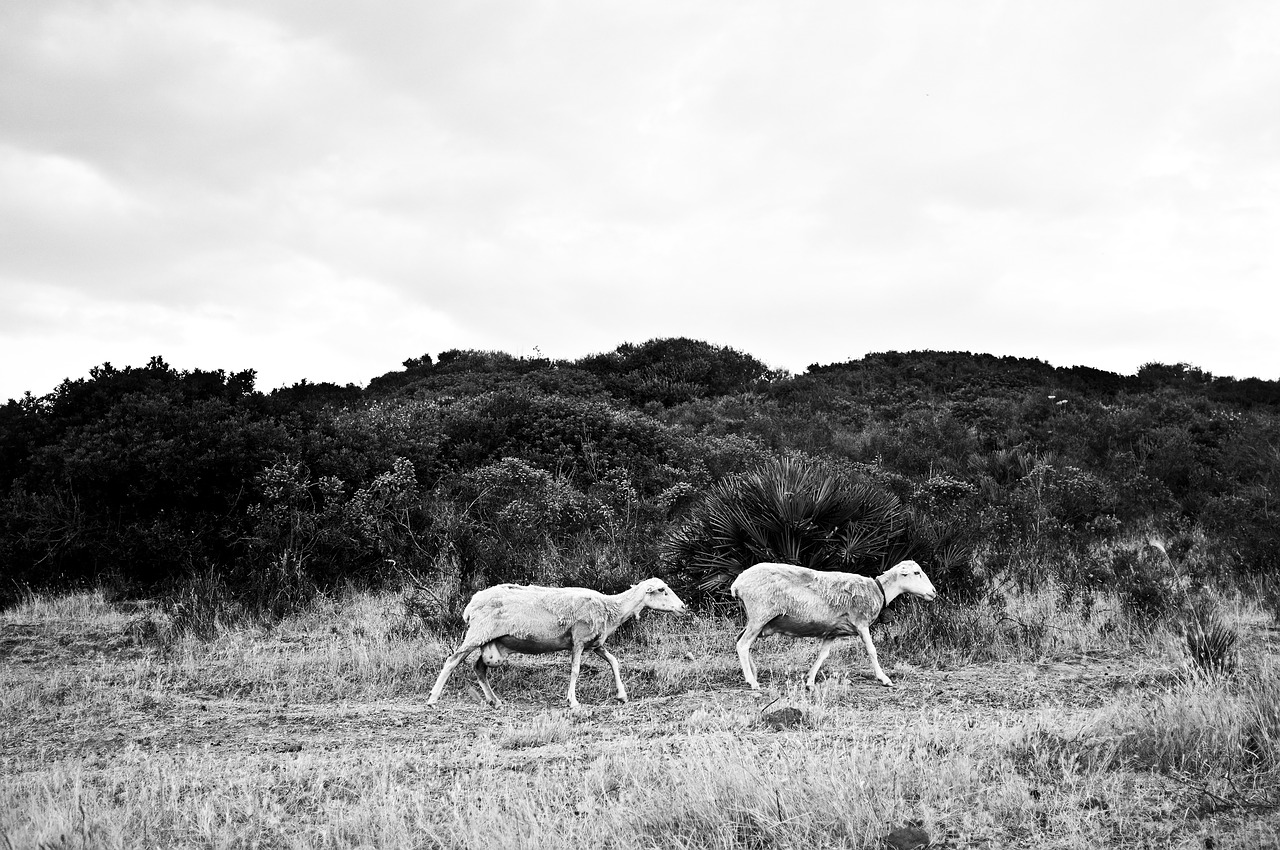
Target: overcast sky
{"x":319,"y":189}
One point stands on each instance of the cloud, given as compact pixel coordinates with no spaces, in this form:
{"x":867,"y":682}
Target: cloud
{"x":274,"y":322}
{"x":1083,"y":182}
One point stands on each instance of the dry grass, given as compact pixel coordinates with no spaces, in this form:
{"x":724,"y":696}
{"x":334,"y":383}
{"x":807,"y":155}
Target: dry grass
{"x":314,"y":734}
{"x":546,"y":728}
{"x":81,"y":606}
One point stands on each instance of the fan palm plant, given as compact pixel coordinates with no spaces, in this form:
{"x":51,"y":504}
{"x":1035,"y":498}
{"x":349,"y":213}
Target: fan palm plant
{"x":791,"y":510}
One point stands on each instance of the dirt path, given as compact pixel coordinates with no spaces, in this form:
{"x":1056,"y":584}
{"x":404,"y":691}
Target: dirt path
{"x":61,"y":663}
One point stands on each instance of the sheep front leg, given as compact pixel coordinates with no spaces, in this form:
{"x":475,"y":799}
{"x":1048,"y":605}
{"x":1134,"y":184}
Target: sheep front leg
{"x":445,"y":672}
{"x":865,"y":631}
{"x":617,"y":673}
{"x":574,"y":665}
{"x":748,"y":637}
{"x":824,"y":649}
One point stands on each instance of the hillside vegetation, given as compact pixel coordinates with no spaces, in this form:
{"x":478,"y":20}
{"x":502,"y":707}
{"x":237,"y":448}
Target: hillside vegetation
{"x":478,"y":467}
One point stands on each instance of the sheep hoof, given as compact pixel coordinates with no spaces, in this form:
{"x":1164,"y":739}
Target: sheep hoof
{"x":887,"y":682}
{"x":622,"y":698}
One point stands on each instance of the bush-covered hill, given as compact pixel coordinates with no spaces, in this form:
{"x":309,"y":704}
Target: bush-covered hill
{"x":474,"y":467}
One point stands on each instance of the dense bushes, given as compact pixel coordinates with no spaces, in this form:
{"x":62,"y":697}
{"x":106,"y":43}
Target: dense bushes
{"x":476,"y":467}
{"x":135,"y":473}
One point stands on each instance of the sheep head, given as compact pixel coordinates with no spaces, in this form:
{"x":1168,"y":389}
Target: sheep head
{"x":911,"y":579}
{"x":659,"y":597}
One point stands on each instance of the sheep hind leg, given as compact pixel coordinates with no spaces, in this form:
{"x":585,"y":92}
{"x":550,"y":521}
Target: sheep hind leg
{"x":824,"y":649}
{"x":575,"y":664}
{"x":451,"y":662}
{"x":617,"y":673}
{"x":745,"y":640}
{"x":482,"y":674}
{"x":871,"y":653}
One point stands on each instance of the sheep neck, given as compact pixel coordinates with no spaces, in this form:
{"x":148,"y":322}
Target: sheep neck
{"x":630,"y":602}
{"x":888,"y":587}
{"x":884,"y":598}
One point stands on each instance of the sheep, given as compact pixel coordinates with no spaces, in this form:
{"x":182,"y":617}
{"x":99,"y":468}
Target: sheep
{"x":533,"y":620}
{"x":800,"y":602}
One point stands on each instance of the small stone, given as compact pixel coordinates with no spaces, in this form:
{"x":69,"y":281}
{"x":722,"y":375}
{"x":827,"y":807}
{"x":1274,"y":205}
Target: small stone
{"x":786,"y":718}
{"x":907,"y":838}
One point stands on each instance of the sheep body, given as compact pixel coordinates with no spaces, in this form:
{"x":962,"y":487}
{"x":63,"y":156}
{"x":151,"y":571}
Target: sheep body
{"x":531,"y":619}
{"x":800,"y":602}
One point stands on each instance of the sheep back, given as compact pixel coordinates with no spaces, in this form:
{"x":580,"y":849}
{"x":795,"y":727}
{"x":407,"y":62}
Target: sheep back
{"x":807,"y":603}
{"x":544,"y":613}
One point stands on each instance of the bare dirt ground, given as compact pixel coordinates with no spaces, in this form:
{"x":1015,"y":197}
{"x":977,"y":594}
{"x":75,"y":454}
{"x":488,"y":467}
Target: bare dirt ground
{"x":186,"y":714}
{"x":94,"y":691}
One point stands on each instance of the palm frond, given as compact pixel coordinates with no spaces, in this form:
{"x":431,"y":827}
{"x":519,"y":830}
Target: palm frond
{"x":792,"y":510}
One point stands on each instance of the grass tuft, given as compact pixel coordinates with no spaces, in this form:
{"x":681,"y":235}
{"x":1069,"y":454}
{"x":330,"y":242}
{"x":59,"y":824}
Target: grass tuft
{"x":544,"y":729}
{"x":1211,"y":645}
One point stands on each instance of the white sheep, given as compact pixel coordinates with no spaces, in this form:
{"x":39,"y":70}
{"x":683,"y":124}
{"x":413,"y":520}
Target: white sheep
{"x":800,"y":602}
{"x":533,"y":620}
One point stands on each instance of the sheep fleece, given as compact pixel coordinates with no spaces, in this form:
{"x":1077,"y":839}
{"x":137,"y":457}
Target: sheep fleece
{"x":530,"y":611}
{"x":808,"y":603}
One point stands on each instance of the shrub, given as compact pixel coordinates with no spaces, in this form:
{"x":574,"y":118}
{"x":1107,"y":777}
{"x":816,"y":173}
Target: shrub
{"x":1245,"y":532}
{"x":1211,"y":644}
{"x":793,"y":510}
{"x":946,"y":549}
{"x":1148,"y":587}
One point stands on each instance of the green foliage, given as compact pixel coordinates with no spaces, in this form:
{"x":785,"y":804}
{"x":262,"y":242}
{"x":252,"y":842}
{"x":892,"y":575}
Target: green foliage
{"x":946,"y":549}
{"x":792,"y":510}
{"x":296,"y":521}
{"x":137,"y":473}
{"x":1245,"y":532}
{"x":472,"y":466}
{"x":1211,"y":644}
{"x":675,"y":370}
{"x":582,"y":437}
{"x":471,"y":373}
{"x":1064,"y":496}
{"x":305,"y":395}
{"x":1150,"y":590}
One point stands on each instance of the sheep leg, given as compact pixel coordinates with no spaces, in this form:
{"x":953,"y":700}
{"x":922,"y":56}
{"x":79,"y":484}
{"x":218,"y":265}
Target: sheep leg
{"x":824,"y":649}
{"x":452,"y":662}
{"x":574,"y":665}
{"x":865,"y":631}
{"x":748,"y":637}
{"x":482,"y":673}
{"x":617,"y":673}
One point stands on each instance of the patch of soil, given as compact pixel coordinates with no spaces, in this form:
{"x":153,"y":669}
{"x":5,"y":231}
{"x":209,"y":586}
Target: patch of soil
{"x":178,"y":716}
